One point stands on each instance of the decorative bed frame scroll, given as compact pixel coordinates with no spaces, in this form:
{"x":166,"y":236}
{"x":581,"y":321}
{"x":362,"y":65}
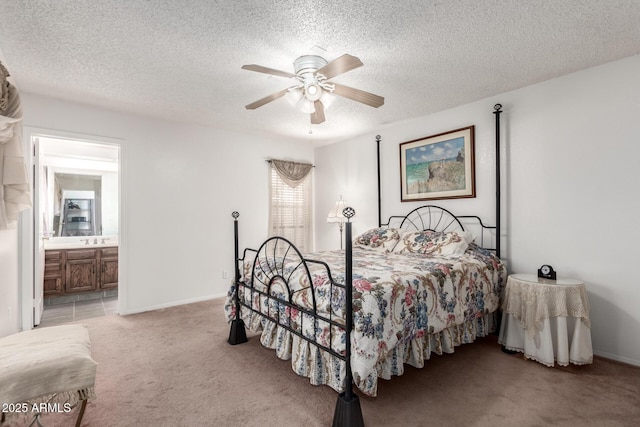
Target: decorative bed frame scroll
{"x":268,"y":258}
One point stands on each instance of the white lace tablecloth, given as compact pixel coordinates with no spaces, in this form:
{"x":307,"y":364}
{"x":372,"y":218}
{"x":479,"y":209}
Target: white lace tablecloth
{"x":541,"y":317}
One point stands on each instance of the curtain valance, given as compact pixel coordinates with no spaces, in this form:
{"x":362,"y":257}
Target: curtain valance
{"x":292,"y":173}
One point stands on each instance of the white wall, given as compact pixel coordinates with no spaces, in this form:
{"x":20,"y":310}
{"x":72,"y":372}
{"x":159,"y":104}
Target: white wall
{"x":573,"y":193}
{"x":9,"y":300}
{"x":109,"y":203}
{"x":570,"y":149}
{"x":180,"y":184}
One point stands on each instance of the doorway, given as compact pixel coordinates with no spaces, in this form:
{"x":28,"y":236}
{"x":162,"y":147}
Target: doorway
{"x":76,"y":223}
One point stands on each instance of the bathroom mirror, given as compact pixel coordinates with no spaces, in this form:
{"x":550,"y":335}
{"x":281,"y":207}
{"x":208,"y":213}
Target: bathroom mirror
{"x":77,"y":205}
{"x":79,"y":187}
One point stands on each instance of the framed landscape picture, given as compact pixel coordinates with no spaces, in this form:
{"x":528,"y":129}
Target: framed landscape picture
{"x":438,"y":167}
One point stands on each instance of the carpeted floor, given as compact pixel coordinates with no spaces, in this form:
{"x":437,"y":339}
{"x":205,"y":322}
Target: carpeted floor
{"x":173,"y":367}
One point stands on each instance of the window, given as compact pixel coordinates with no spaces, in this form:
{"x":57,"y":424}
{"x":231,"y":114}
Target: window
{"x":290,"y":205}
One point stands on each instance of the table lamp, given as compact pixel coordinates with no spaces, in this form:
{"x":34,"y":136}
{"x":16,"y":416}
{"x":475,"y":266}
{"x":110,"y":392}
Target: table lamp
{"x":335,"y":216}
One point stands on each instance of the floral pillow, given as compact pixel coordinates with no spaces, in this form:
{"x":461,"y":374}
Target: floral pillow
{"x":380,"y":239}
{"x":452,"y":243}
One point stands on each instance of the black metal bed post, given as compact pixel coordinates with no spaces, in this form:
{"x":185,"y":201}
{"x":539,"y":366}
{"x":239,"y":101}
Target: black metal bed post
{"x":497,"y":111}
{"x":238,"y":334}
{"x":348,"y":412}
{"x":378,"y":138}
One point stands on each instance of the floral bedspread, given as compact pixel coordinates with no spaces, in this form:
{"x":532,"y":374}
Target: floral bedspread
{"x":405,"y":306}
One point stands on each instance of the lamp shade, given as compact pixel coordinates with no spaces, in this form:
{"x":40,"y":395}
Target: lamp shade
{"x":335,"y":214}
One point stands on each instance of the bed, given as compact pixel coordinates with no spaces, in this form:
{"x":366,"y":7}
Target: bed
{"x":421,"y":283}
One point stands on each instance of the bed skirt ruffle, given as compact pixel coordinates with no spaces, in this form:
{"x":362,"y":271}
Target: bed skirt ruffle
{"x":322,"y":368}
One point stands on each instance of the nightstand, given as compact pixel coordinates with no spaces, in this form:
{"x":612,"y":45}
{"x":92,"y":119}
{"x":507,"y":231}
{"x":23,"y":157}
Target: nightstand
{"x":547,"y":320}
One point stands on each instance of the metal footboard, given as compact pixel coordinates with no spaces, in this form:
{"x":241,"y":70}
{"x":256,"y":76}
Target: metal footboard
{"x":267,"y":281}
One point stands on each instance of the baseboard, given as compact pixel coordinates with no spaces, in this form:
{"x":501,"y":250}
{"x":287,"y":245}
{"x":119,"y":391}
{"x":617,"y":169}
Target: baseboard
{"x":617,"y":358}
{"x":171,"y":304}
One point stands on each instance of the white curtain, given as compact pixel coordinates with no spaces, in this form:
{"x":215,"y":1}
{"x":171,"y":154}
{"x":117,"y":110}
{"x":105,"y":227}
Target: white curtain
{"x":15,"y":194}
{"x":290,"y":203}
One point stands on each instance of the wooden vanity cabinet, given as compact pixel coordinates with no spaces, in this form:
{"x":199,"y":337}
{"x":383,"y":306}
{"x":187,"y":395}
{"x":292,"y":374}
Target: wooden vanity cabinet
{"x":53,"y":272}
{"x":69,"y":271}
{"x":80,"y":270}
{"x":108,"y":278}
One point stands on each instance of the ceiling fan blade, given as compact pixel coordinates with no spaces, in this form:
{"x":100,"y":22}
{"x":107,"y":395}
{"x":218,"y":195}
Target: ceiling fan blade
{"x":318,"y":116}
{"x":339,"y":66}
{"x":358,"y":95}
{"x":266,"y":100}
{"x":267,"y":70}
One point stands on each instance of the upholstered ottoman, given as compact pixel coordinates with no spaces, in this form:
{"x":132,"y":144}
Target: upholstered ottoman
{"x":47,"y":369}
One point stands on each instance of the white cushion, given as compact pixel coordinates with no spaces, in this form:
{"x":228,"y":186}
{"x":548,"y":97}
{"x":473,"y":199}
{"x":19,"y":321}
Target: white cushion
{"x":41,"y":362}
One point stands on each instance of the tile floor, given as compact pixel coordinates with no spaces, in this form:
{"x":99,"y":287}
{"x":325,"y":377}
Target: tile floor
{"x":78,"y":310}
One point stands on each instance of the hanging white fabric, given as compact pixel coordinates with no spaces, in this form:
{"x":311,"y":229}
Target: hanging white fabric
{"x":15,"y":194}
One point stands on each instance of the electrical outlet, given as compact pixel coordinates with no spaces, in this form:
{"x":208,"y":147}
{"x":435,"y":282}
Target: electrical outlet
{"x":225,"y":275}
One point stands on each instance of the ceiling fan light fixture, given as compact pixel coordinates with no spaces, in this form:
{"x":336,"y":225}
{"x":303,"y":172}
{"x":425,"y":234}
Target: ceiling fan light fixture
{"x":327,"y":99}
{"x":312,"y":90}
{"x":306,"y":106}
{"x":294,"y":95}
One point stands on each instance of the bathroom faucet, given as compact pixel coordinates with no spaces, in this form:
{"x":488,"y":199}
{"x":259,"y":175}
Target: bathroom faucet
{"x":95,"y":241}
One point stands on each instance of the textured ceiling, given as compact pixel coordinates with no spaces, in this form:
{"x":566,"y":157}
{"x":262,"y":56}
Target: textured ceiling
{"x":180,"y":59}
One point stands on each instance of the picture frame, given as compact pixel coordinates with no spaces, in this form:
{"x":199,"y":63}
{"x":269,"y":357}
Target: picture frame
{"x":439,"y":166}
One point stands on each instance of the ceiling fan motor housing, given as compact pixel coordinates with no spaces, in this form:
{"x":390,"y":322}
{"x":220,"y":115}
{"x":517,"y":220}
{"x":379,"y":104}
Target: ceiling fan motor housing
{"x":305,"y":68}
{"x":308,"y":64}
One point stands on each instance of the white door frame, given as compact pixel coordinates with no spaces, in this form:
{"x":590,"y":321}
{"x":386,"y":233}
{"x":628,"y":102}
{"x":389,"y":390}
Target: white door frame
{"x":38,"y":235}
{"x":26,"y":239}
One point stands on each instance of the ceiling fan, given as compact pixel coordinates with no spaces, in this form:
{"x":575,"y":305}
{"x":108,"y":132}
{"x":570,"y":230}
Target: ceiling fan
{"x":313,"y":73}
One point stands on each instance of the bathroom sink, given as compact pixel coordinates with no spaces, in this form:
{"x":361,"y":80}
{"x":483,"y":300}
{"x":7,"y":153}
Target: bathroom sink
{"x":80,"y":242}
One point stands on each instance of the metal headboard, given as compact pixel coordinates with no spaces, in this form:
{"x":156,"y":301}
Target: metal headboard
{"x":436,"y":218}
{"x":429,"y":217}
